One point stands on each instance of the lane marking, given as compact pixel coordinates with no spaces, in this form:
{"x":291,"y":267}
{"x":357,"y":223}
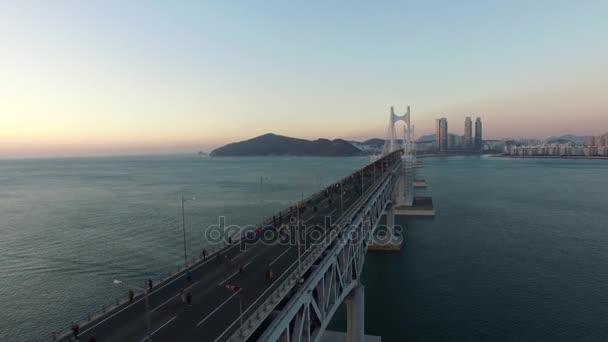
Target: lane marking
{"x":225,"y":331}
{"x":225,"y":280}
{"x":162,"y":326}
{"x":235,"y":273}
{"x":149,"y":294}
{"x":212,"y":312}
{"x":313,"y":216}
{"x":277,"y":258}
{"x":173,"y":297}
{"x":254,"y":302}
{"x":165,"y":302}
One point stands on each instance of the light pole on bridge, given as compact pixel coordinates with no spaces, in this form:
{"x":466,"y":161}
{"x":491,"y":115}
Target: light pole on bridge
{"x":341,"y":199}
{"x":262,"y":179}
{"x":298,"y":234}
{"x":184,"y":200}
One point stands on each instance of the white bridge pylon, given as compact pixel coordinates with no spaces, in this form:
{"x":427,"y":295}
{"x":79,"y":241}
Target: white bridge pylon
{"x":404,"y":192}
{"x":390,"y":143}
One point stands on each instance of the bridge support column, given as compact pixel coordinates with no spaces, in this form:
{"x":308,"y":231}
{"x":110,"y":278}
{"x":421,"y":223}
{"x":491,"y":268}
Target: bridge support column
{"x":355,"y":315}
{"x":400,"y":191}
{"x":390,"y":218}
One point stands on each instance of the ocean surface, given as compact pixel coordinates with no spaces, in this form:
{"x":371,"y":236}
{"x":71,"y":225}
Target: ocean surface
{"x":518,"y":250}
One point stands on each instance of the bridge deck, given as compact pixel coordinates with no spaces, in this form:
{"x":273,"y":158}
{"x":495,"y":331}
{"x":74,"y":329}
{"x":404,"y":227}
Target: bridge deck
{"x":215,"y":311}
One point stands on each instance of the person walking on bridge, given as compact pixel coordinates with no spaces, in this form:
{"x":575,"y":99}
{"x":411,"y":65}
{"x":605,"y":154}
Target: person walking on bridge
{"x":150,"y":286}
{"x":75,"y":330}
{"x":131,"y":296}
{"x":189,"y":298}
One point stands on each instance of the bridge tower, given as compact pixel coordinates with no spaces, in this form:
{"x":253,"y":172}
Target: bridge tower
{"x":390,"y":143}
{"x":404,"y":187}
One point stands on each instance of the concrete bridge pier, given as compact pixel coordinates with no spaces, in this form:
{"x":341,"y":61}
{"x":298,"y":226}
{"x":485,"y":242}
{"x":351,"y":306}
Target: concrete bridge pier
{"x":355,"y":315}
{"x":390,"y":219}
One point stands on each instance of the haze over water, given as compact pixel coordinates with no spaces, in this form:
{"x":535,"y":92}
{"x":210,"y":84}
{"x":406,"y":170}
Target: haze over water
{"x":518,"y":250}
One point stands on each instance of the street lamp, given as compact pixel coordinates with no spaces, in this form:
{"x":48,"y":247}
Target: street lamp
{"x":341,"y":200}
{"x":362,"y":186}
{"x":298,"y":236}
{"x":262,"y":179}
{"x":184,"y":200}
{"x":148,"y":323}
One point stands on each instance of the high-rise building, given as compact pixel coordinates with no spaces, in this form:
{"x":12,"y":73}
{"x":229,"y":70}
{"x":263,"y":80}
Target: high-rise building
{"x":468,"y":134}
{"x":452,"y":145}
{"x":441,"y":134}
{"x":600,"y":140}
{"x":478,"y":134}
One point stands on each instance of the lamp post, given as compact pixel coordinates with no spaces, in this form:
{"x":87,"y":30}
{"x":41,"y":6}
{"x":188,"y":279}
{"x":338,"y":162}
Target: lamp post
{"x":262,"y":179}
{"x":148,"y":323}
{"x":298,"y":236}
{"x":362,"y":186}
{"x":184,"y":200}
{"x":341,"y":200}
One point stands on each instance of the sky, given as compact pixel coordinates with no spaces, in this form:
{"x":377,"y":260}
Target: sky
{"x":131,"y":77}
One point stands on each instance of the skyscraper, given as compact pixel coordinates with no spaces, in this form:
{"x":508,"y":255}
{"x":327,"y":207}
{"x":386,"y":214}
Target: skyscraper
{"x":441,"y":134}
{"x":468,"y":134}
{"x":478,"y":134}
{"x":452,"y":145}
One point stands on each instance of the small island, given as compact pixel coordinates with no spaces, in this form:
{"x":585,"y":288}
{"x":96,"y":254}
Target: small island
{"x":277,"y":145}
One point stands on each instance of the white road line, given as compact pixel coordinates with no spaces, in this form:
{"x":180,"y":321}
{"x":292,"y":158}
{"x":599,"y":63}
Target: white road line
{"x":192,"y":285}
{"x":165,"y":302}
{"x":107,"y":318}
{"x":155,"y":289}
{"x":277,"y":258}
{"x":168,"y":300}
{"x":305,"y":222}
{"x":162,"y":326}
{"x":235,"y":273}
{"x":225,"y":331}
{"x":212,"y":312}
{"x":230,"y":276}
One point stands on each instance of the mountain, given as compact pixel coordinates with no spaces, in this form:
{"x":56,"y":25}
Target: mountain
{"x":374,"y":142}
{"x":576,"y":139}
{"x":277,"y":145}
{"x":426,"y":138}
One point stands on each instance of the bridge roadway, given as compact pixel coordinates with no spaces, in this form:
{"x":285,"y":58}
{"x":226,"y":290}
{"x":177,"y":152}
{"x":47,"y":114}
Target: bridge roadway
{"x":214,"y":314}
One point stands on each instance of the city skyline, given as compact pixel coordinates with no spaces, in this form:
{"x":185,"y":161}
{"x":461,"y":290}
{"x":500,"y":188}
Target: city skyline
{"x":103,"y":78}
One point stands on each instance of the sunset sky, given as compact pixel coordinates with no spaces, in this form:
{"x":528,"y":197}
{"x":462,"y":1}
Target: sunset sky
{"x":122,"y":77}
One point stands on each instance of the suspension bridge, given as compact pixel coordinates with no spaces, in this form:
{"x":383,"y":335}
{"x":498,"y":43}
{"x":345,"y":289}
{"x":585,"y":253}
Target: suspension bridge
{"x":283,"y":280}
